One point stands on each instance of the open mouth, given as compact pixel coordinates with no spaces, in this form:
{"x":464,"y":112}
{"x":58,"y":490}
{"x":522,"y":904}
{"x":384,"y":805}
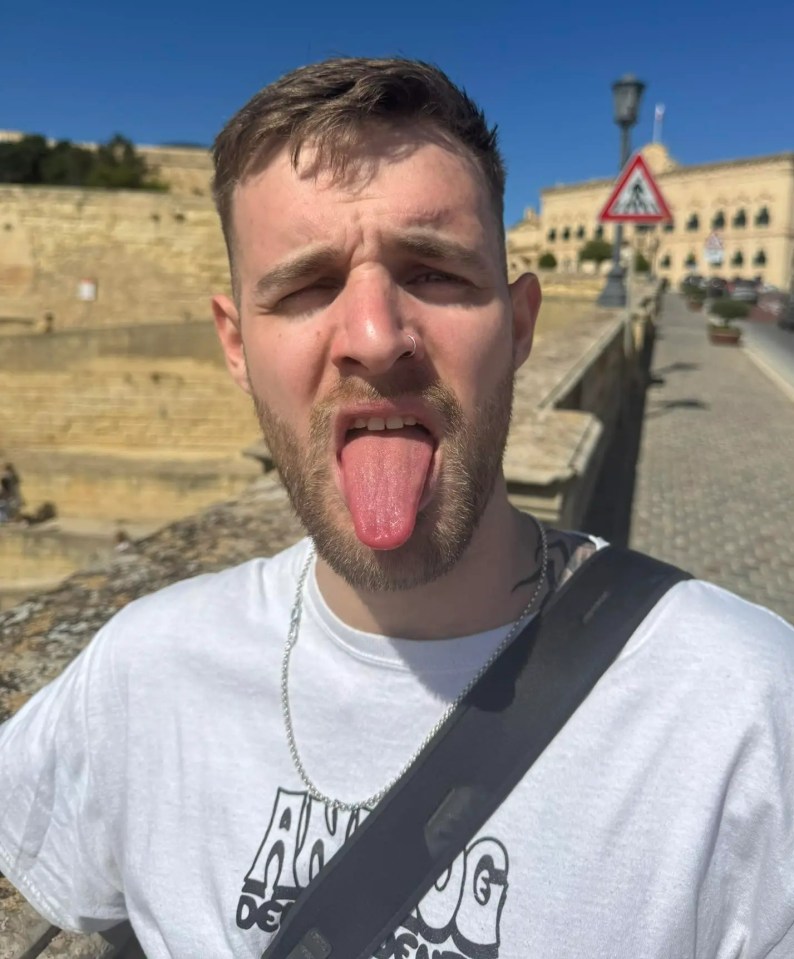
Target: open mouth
{"x":386,"y":466}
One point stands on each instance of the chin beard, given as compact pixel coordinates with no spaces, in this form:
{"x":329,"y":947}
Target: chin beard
{"x":473,"y":454}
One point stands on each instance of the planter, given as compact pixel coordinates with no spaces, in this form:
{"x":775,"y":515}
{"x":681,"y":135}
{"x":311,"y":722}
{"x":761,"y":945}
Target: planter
{"x":696,"y":305}
{"x":724,"y":335}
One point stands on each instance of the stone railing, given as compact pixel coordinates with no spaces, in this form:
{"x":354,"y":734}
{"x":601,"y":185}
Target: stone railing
{"x":568,"y":401}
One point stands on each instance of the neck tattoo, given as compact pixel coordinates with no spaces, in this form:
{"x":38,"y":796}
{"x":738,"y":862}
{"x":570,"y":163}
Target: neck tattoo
{"x":292,"y":637}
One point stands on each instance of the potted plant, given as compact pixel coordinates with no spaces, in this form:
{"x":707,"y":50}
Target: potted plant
{"x":695,"y":297}
{"x":720,"y":327}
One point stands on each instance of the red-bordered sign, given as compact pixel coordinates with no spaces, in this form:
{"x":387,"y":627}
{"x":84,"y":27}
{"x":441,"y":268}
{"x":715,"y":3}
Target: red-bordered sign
{"x":636,"y":197}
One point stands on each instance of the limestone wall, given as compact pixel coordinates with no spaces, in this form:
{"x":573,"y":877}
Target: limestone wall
{"x":70,"y":348}
{"x":126,"y":405}
{"x":154,"y":257}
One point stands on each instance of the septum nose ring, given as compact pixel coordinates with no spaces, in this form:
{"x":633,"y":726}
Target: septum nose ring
{"x":413,"y":346}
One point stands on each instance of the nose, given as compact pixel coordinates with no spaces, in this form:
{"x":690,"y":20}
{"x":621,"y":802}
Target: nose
{"x":370,"y":328}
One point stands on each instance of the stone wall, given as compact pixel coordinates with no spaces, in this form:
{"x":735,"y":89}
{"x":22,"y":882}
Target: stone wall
{"x":154,"y":257}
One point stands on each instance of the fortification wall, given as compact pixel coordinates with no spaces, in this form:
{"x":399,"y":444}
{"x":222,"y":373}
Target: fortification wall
{"x":154,"y":257}
{"x":126,"y":404}
{"x":69,"y":349}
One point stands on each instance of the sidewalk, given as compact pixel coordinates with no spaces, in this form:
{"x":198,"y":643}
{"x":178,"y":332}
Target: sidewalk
{"x":715,"y":479}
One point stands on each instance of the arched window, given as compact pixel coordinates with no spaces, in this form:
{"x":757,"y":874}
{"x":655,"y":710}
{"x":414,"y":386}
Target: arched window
{"x":691,"y":260}
{"x":665,"y":262}
{"x":718,"y":221}
{"x":737,"y":259}
{"x":759,"y":259}
{"x":740,"y":219}
{"x":566,"y":233}
{"x":762,"y":217}
{"x":599,"y":232}
{"x":580,"y":233}
{"x":552,"y":235}
{"x":693,"y":223}
{"x":669,"y":226}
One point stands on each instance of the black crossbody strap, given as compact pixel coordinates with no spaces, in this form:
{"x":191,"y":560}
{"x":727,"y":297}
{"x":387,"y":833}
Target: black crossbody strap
{"x":500,"y":728}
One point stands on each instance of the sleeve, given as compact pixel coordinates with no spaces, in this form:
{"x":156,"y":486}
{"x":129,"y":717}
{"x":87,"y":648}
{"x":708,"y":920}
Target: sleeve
{"x":60,"y":758}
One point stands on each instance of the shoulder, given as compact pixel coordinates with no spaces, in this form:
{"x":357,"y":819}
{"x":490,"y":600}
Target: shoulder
{"x":213,"y":604}
{"x":719,"y":637}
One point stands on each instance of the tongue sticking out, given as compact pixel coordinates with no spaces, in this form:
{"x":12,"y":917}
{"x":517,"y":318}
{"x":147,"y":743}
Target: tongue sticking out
{"x":383,"y":477}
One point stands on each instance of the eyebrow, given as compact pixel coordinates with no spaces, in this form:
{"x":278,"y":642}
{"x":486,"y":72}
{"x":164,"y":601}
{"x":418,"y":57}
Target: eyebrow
{"x":304,"y":264}
{"x":433,"y":246}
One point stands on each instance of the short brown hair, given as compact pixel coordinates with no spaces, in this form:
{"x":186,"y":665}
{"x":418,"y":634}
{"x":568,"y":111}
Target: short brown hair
{"x":329,"y":103}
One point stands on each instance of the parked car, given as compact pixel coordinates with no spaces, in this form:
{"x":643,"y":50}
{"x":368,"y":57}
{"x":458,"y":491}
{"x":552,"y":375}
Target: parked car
{"x":745,"y":291}
{"x":716,"y":286}
{"x":785,"y":318}
{"x":693,"y":281}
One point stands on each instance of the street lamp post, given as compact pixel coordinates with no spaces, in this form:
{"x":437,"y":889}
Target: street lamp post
{"x":626,"y":94}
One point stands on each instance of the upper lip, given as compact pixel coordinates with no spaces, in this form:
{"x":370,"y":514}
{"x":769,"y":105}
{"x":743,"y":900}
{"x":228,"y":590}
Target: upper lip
{"x":347,"y":416}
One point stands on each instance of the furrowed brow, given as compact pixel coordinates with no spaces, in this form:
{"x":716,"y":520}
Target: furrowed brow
{"x":299,"y":267}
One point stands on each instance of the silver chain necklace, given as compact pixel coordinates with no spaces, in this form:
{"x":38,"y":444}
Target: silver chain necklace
{"x":292,"y":637}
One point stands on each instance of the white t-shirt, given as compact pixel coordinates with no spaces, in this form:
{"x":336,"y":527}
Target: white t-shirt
{"x":153,"y":781}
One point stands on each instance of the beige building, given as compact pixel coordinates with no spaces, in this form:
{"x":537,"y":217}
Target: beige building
{"x":748,"y":205}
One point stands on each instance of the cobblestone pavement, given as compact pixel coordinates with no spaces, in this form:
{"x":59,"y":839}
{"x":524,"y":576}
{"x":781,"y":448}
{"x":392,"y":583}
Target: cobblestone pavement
{"x":714,"y":486}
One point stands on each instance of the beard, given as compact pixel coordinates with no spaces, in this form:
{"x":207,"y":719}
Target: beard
{"x":473,"y":452}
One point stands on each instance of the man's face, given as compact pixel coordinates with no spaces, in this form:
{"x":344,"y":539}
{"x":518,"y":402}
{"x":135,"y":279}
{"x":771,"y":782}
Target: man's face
{"x":390,"y":459}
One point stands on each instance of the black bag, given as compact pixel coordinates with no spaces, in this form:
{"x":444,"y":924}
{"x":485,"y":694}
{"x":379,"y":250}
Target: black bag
{"x":499,"y":729}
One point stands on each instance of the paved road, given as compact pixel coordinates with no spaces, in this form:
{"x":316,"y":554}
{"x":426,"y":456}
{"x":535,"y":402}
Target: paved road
{"x":715,"y":479}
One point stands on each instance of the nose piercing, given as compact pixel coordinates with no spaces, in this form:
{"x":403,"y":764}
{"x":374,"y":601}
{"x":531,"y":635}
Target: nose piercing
{"x":413,"y":344}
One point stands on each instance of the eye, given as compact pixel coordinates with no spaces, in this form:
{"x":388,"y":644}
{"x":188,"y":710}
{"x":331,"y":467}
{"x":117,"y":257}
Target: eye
{"x":309,"y":298}
{"x":436,"y":276}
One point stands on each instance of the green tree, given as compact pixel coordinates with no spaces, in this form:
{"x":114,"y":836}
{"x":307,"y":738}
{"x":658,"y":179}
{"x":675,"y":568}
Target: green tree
{"x":20,"y":161}
{"x":117,"y":165}
{"x":596,"y":250}
{"x":67,"y":165}
{"x":641,"y":265}
{"x":547,"y":261}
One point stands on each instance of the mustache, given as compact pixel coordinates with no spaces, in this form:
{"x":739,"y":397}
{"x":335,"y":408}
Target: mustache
{"x":435,"y":396}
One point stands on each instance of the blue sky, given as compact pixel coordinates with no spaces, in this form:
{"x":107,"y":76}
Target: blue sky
{"x":175,"y":70}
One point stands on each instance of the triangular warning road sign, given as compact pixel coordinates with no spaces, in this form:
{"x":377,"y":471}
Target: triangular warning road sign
{"x":636,"y":197}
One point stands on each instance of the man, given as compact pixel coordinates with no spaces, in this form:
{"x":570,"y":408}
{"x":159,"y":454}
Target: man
{"x":220,"y":740}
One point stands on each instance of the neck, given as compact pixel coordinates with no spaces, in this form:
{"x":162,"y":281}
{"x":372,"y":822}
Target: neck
{"x":477,"y":594}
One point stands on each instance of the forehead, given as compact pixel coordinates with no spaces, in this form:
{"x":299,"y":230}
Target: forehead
{"x":390,"y":178}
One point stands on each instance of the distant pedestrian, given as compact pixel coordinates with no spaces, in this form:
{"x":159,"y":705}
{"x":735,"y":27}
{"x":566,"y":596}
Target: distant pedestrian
{"x":10,"y":494}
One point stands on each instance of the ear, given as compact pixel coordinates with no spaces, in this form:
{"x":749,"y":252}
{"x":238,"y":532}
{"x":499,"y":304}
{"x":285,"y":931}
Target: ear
{"x":526,"y":297}
{"x":227,"y":323}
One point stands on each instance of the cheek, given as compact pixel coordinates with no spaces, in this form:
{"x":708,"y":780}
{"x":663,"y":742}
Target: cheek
{"x":283,"y":372}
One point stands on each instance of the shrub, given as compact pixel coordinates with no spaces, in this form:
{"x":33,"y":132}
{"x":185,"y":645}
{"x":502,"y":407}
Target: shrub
{"x":115,"y":164}
{"x":727,"y":309}
{"x":641,"y":265}
{"x":547,"y":261}
{"x":596,"y":250}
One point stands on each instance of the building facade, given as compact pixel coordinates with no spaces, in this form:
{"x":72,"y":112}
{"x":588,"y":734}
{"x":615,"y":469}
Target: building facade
{"x":734,"y":218}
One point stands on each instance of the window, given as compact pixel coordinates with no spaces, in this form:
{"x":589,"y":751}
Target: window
{"x":669,"y":226}
{"x":740,"y":219}
{"x":762,"y":217}
{"x":693,"y":223}
{"x":759,"y":259}
{"x":665,"y":262}
{"x":566,"y":233}
{"x":691,"y":260}
{"x":718,"y":221}
{"x":580,"y":233}
{"x":551,"y":235}
{"x":737,"y":259}
{"x":599,"y":232}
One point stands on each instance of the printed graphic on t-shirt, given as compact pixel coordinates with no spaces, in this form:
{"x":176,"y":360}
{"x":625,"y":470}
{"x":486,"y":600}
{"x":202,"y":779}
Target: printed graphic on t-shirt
{"x":457,"y":919}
